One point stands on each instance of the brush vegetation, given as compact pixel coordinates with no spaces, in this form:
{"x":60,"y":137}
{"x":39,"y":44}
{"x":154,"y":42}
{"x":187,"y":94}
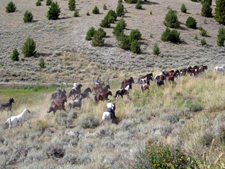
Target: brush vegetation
{"x":181,"y":122}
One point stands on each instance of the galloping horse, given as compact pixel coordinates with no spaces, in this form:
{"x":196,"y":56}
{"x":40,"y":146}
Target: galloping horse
{"x":145,"y":86}
{"x":75,"y":91}
{"x":58,"y":95}
{"x":104,"y":96}
{"x":103,"y":90}
{"x":96,"y":87}
{"x":127,"y":82}
{"x":122,"y":92}
{"x":8,"y":105}
{"x":85,"y":94}
{"x":220,"y":69}
{"x":107,"y":115}
{"x":75,"y":103}
{"x":12,"y":121}
{"x":145,"y":79}
{"x":58,"y":104}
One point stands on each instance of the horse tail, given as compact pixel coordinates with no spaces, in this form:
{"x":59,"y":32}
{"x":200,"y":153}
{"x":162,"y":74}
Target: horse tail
{"x":142,"y":88}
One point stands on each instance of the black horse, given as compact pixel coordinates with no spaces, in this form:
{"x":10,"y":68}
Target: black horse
{"x":84,"y":95}
{"x":75,"y":91}
{"x":122,"y":92}
{"x":8,"y":105}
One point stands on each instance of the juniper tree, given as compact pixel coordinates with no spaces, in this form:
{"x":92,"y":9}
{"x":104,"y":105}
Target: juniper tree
{"x":72,"y":5}
{"x":10,"y":7}
{"x":171,"y":19}
{"x":28,"y":17}
{"x":220,"y":11}
{"x":54,"y":11}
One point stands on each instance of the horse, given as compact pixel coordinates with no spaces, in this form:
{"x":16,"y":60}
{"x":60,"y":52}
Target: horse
{"x":194,"y":70}
{"x":220,"y":69}
{"x":97,"y":86}
{"x":107,"y":115}
{"x":12,"y":121}
{"x":122,"y":92}
{"x":183,"y":72}
{"x":59,"y":94}
{"x":202,"y":69}
{"x":127,"y":82}
{"x":103,"y":90}
{"x":8,"y":105}
{"x":58,"y":104}
{"x":145,"y":79}
{"x":85,"y":94}
{"x":103,"y":96}
{"x":75,"y":91}
{"x":145,"y":86}
{"x":160,"y":82}
{"x":75,"y":103}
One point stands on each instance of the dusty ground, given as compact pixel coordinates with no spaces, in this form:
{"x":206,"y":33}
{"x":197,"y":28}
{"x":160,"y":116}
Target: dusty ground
{"x":69,"y":56}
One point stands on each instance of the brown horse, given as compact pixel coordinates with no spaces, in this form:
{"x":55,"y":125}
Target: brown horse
{"x":127,"y":82}
{"x":58,"y":104}
{"x":103,"y":90}
{"x":96,"y":87}
{"x":104,"y":96}
{"x":145,"y":87}
{"x":145,"y":78}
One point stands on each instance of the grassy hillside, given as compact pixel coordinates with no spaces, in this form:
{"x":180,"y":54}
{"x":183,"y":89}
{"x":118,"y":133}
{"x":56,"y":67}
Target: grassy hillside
{"x":188,"y":114}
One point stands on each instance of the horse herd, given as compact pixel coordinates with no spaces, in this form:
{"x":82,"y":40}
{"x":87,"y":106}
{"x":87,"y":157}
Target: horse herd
{"x":102,"y":92}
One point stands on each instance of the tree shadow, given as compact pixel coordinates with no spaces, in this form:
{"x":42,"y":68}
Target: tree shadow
{"x":66,"y":17}
{"x":149,"y":3}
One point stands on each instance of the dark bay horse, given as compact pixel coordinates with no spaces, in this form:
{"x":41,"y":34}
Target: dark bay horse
{"x":127,"y":82}
{"x":96,"y":87}
{"x":7,"y":106}
{"x":104,"y":96}
{"x":75,"y":91}
{"x":58,"y":104}
{"x":58,"y":95}
{"x":103,"y":90}
{"x":85,"y":94}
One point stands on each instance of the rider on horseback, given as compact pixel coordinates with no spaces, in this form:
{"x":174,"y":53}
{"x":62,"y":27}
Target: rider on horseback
{"x":110,"y":107}
{"x":98,"y":81}
{"x":74,"y":85}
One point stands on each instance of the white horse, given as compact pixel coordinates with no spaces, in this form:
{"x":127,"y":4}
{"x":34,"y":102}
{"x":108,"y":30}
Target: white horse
{"x":220,"y":69}
{"x":106,"y":117}
{"x":12,"y":121}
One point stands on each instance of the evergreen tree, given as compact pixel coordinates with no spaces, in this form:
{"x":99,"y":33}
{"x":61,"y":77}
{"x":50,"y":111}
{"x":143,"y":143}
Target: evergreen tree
{"x":104,"y":7}
{"x":10,"y":7}
{"x":29,"y":47}
{"x":54,"y":11}
{"x":135,"y":47}
{"x":206,"y":9}
{"x":124,"y":42}
{"x":171,"y":20}
{"x":97,"y":39}
{"x":138,"y":5}
{"x":76,"y":13}
{"x":191,"y":22}
{"x":42,"y":63}
{"x":48,"y":2}
{"x":135,"y":35}
{"x":38,"y":3}
{"x":95,"y":10}
{"x":156,"y":50}
{"x":120,"y":9}
{"x":90,"y":33}
{"x":28,"y":17}
{"x":221,"y":37}
{"x":72,"y":5}
{"x":183,"y":8}
{"x":220,"y":11}
{"x":15,"y":55}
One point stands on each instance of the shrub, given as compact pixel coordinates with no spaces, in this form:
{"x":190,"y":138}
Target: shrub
{"x":207,"y":139}
{"x":90,"y":33}
{"x":198,"y":107}
{"x":203,"y":32}
{"x":111,"y":14}
{"x":41,"y":126}
{"x":72,"y":5}
{"x":135,"y":47}
{"x":220,"y":11}
{"x":38,"y":3}
{"x":156,"y":50}
{"x":221,"y":37}
{"x":131,"y":1}
{"x":104,"y":7}
{"x":183,"y":8}
{"x":195,"y":107}
{"x":206,"y":1}
{"x":55,"y":150}
{"x":95,"y":10}
{"x":76,"y":13}
{"x":171,"y":20}
{"x":122,"y":23}
{"x":102,"y":33}
{"x":138,"y":5}
{"x":48,"y":2}
{"x":54,"y":11}
{"x":135,"y":35}
{"x":150,"y":12}
{"x":88,"y":14}
{"x":10,"y":7}
{"x":191,"y":22}
{"x":118,"y":30}
{"x":88,"y":121}
{"x":42,"y":63}
{"x":105,"y":23}
{"x":124,"y":42}
{"x":196,"y":37}
{"x":97,"y":39}
{"x":172,"y":36}
{"x":28,"y":17}
{"x":120,"y":9}
{"x":15,"y":55}
{"x":206,"y":10}
{"x":163,"y":156}
{"x":29,"y":47}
